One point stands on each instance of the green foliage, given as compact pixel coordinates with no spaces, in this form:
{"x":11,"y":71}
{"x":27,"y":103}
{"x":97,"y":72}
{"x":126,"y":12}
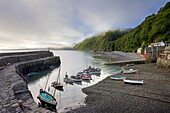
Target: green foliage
{"x":101,"y":42}
{"x":155,"y":28}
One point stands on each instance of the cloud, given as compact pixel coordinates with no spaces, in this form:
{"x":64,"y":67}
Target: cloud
{"x":60,"y":23}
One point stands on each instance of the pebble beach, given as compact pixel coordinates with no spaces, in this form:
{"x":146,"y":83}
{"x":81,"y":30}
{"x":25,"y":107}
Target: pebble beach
{"x":110,"y":96}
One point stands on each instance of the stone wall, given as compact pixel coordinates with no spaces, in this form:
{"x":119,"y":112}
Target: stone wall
{"x":165,"y":63}
{"x":37,"y":65}
{"x":14,"y":58}
{"x":22,"y":53}
{"x":14,"y":88}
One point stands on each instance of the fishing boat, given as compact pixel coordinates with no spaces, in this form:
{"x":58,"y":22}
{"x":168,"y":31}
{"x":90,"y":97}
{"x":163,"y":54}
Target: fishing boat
{"x":56,"y":84}
{"x":68,"y":80}
{"x":47,"y":100}
{"x":85,"y":77}
{"x":92,"y":70}
{"x":130,"y":71}
{"x":117,"y":77}
{"x":140,"y":82}
{"x":76,"y":78}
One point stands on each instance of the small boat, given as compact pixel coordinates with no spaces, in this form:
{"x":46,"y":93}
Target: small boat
{"x":85,"y":77}
{"x":133,"y":81}
{"x":1,"y":67}
{"x":140,"y":82}
{"x":68,"y":80}
{"x":47,"y":100}
{"x":92,"y":70}
{"x":116,"y":77}
{"x":76,"y":78}
{"x":32,"y":73}
{"x":130,"y":71}
{"x":57,"y":84}
{"x":8,"y":64}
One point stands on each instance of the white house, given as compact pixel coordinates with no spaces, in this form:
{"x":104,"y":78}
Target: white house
{"x":139,"y":50}
{"x":157,"y":44}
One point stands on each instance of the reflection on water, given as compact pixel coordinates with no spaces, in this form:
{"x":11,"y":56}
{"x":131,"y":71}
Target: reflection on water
{"x":71,"y":62}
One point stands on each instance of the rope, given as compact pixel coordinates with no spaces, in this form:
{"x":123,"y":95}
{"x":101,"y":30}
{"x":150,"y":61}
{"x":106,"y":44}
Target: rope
{"x":26,"y":79}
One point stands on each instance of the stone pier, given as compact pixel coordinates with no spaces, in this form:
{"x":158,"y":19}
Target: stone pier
{"x":14,"y":88}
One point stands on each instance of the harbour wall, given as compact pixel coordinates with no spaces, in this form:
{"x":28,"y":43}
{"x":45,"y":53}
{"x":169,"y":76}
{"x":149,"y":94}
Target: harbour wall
{"x":13,"y":85}
{"x":37,"y":65}
{"x":22,"y":53}
{"x":22,"y":57}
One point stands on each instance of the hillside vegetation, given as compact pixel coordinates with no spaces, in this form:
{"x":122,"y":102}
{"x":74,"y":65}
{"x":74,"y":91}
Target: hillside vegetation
{"x":105,"y":41}
{"x":155,"y":28}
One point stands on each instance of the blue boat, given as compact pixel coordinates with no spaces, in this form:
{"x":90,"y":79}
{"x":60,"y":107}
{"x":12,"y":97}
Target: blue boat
{"x":47,"y":100}
{"x":32,"y":73}
{"x":116,"y":77}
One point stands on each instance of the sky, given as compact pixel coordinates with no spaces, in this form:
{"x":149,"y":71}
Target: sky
{"x":63,"y":23}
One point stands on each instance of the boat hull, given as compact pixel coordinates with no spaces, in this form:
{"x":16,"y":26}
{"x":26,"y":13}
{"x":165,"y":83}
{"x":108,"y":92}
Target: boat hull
{"x":137,"y":82}
{"x":117,"y":77}
{"x":46,"y":103}
{"x":130,"y":71}
{"x":68,"y":80}
{"x":57,"y":85}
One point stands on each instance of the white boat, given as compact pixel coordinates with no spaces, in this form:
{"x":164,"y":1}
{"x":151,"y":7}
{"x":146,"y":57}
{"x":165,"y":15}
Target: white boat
{"x":129,"y":71}
{"x":133,"y":81}
{"x":115,"y":77}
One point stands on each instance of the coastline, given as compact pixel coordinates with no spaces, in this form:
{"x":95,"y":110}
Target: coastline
{"x":111,"y":96}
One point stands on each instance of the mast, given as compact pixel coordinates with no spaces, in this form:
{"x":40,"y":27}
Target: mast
{"x":58,"y":74}
{"x":57,"y":80}
{"x":47,"y":82}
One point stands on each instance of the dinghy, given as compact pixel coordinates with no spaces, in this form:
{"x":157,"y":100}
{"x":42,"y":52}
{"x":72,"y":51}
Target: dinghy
{"x":133,"y":81}
{"x":140,"y":82}
{"x":116,"y":77}
{"x":68,"y":80}
{"x":76,"y":78}
{"x":129,"y":71}
{"x":47,"y":100}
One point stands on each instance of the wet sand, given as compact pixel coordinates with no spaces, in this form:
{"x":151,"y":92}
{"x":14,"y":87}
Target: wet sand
{"x":109,"y":96}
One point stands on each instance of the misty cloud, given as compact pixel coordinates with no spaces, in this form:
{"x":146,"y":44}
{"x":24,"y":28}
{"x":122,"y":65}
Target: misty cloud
{"x":60,"y":23}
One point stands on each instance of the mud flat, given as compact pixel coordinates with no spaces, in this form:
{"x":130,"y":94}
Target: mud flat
{"x":109,"y":96}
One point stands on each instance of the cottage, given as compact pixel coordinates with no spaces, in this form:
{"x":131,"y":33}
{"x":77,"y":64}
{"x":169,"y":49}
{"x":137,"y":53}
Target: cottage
{"x":139,"y":50}
{"x":157,"y":44}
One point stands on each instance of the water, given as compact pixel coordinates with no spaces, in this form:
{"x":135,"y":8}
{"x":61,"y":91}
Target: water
{"x":71,"y":62}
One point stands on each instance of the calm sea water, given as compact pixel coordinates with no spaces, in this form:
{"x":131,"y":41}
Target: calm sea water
{"x":71,"y":62}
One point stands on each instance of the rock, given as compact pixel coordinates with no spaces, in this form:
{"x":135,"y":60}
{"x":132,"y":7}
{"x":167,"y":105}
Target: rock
{"x":3,"y":110}
{"x":15,"y":105}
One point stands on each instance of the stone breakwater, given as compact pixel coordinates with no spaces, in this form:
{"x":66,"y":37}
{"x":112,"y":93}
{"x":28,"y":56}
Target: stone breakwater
{"x":14,"y":89}
{"x":14,"y":58}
